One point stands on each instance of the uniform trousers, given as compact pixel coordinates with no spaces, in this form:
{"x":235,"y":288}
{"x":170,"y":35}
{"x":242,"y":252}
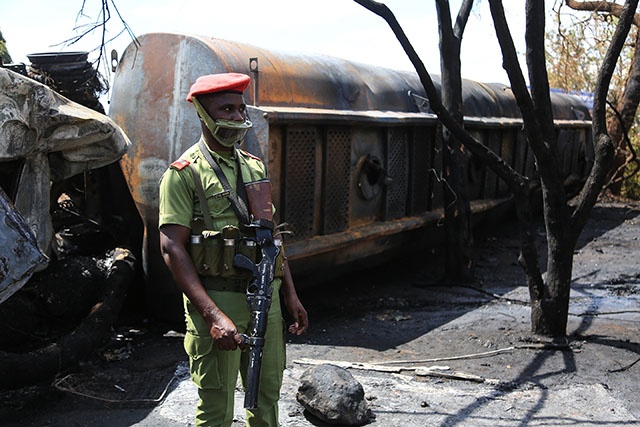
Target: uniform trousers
{"x":215,"y":372}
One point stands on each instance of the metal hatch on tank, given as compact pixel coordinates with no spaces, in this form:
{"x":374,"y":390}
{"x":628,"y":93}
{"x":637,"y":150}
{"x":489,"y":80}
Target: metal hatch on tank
{"x":352,"y":149}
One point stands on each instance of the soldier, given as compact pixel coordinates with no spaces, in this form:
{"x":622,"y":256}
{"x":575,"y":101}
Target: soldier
{"x":194,"y":236}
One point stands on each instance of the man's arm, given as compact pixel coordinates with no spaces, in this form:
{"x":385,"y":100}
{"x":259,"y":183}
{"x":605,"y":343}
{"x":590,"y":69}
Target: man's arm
{"x":173,"y":239}
{"x":293,"y":304}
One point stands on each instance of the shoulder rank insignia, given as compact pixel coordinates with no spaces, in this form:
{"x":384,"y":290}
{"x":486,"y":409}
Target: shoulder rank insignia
{"x":180,"y":164}
{"x":248,"y":154}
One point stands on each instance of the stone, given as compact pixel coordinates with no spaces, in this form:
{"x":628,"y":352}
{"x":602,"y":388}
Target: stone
{"x":333,"y":395}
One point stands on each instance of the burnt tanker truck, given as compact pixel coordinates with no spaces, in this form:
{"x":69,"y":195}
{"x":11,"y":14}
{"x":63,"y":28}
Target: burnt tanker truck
{"x":352,"y":150}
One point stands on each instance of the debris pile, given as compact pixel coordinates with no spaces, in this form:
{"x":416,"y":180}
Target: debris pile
{"x":61,"y":307}
{"x":71,"y":75}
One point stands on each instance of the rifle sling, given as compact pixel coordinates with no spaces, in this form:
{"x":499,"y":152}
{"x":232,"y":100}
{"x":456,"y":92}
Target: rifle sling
{"x":238,"y":205}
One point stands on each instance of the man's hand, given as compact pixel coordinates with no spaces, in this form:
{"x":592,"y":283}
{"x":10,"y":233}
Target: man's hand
{"x":299,"y":314}
{"x":223,"y":331}
{"x":294,"y":306}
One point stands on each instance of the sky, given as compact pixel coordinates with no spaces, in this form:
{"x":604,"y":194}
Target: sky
{"x":339,"y":28}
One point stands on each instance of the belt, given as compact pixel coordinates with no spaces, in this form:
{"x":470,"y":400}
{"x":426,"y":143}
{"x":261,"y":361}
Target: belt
{"x":224,"y":284}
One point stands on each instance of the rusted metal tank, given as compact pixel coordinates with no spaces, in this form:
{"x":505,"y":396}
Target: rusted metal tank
{"x":352,"y":149}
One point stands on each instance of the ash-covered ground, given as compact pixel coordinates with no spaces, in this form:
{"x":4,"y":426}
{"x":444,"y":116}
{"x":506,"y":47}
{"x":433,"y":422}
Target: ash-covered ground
{"x":427,"y":352}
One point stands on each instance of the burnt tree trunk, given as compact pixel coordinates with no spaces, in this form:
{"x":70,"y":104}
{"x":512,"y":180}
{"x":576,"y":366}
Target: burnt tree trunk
{"x":549,"y":311}
{"x":550,"y":308}
{"x":457,"y":210}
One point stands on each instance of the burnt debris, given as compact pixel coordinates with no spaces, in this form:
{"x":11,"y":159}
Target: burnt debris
{"x":71,"y":75}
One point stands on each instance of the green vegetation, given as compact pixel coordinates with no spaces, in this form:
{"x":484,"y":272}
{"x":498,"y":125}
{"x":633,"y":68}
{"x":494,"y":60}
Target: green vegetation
{"x":4,"y":52}
{"x":575,"y":48}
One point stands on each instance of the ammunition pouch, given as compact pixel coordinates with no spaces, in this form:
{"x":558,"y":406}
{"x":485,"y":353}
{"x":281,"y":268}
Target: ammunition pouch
{"x":212,"y":252}
{"x":206,"y":253}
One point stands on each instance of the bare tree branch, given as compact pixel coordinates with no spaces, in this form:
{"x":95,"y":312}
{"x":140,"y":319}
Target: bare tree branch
{"x":451,"y":85}
{"x":539,"y":80}
{"x":100,"y":23}
{"x":511,"y":65}
{"x":612,"y":8}
{"x":513,"y":179}
{"x":553,"y":192}
{"x":518,"y":184}
{"x":618,"y":175}
{"x":463,"y":18}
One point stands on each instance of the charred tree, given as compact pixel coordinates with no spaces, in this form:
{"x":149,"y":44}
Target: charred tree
{"x":563,"y":223}
{"x":457,"y":212}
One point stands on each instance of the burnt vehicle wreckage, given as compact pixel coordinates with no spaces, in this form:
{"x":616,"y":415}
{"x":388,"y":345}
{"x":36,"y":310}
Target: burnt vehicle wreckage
{"x":353,"y":153}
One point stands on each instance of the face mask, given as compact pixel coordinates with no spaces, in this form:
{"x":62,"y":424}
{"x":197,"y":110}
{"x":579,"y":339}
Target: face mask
{"x":229,"y":132}
{"x":226,"y":132}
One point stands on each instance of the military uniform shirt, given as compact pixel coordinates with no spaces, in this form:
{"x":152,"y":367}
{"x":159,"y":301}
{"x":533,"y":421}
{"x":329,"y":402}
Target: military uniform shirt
{"x":178,"y":201}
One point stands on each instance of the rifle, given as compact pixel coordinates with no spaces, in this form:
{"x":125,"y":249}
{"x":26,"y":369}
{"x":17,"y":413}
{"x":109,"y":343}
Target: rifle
{"x":259,"y":291}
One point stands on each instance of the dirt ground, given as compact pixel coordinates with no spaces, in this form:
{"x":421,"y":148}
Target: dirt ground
{"x":463,"y":355}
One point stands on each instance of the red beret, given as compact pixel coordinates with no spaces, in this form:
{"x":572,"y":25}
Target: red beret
{"x":212,"y":83}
